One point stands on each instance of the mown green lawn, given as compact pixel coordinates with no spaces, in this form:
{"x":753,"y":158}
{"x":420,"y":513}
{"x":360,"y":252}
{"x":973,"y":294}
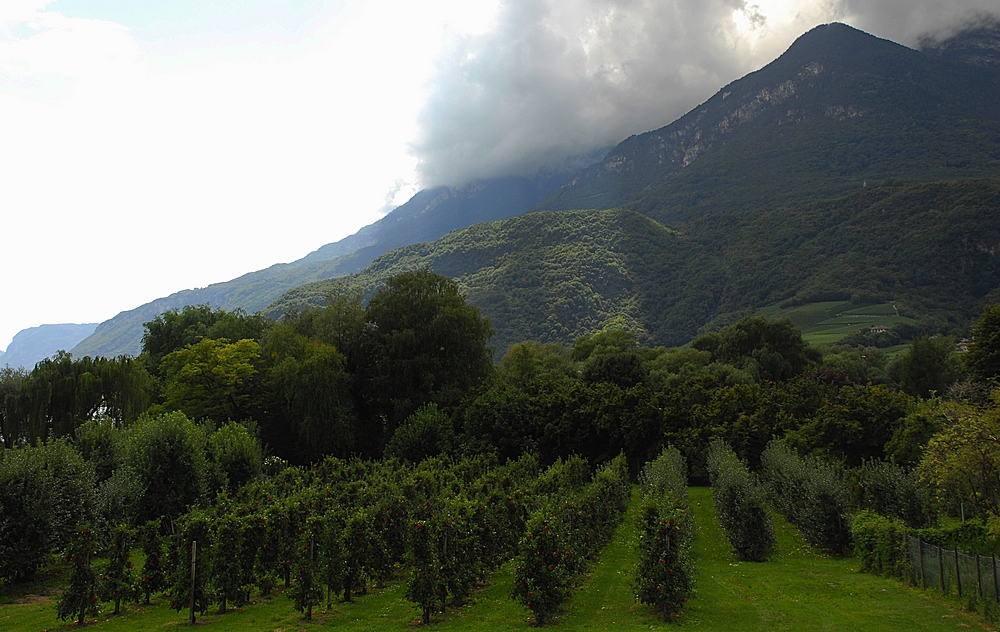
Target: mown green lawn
{"x":798,"y":589}
{"x":801,"y":590}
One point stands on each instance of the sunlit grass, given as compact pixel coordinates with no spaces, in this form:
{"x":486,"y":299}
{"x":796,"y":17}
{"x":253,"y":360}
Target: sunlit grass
{"x":798,"y":589}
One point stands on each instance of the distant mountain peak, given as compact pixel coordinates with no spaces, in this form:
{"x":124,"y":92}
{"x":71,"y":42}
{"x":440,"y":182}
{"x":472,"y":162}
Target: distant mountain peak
{"x":976,"y":45}
{"x":838,"y":109}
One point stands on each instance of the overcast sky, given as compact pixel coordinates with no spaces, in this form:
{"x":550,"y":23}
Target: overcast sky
{"x":148,"y":147}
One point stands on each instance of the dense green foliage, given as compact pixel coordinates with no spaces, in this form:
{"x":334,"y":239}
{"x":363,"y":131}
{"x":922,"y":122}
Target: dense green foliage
{"x":741,"y":502}
{"x":811,"y":494}
{"x":665,"y":574}
{"x":880,"y":545}
{"x":564,"y":536}
{"x":46,"y":491}
{"x":79,"y":600}
{"x":892,"y":491}
{"x":983,"y":358}
{"x":60,"y":393}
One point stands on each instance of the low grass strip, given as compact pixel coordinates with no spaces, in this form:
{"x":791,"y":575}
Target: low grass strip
{"x":800,"y":589}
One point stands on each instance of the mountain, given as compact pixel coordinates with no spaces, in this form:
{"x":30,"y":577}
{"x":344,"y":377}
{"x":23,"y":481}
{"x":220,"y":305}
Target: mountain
{"x":838,"y":110}
{"x":554,"y":276}
{"x":838,"y":113}
{"x":37,"y":343}
{"x":432,"y":213}
{"x":978,"y":46}
{"x":425,"y":217}
{"x":931,"y":248}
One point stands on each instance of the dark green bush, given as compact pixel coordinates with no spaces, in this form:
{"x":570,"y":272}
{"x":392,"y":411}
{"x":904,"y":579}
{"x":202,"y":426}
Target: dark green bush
{"x":891,"y":491}
{"x":880,"y":545}
{"x":740,"y":501}
{"x":664,"y":575}
{"x":811,"y":494}
{"x":46,"y":490}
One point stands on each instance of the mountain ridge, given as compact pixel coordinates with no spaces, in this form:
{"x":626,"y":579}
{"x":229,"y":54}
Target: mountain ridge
{"x":838,"y":111}
{"x":253,"y":291}
{"x":830,"y":114}
{"x":551,"y":276}
{"x":37,"y":343}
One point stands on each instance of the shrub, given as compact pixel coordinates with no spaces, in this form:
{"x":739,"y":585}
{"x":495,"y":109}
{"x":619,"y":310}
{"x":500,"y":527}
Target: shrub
{"x":153,"y":571}
{"x":427,"y":432}
{"x":811,"y":494}
{"x":564,"y":535}
{"x":45,"y":492}
{"x":740,"y":503}
{"x":308,"y":590}
{"x":167,"y":454}
{"x":891,"y":491}
{"x":424,"y":588}
{"x":236,"y":452}
{"x":664,"y":574}
{"x":79,"y":600}
{"x":118,"y":582}
{"x":880,"y":545}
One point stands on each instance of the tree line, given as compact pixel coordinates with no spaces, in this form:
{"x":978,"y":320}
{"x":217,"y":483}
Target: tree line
{"x":223,"y":414}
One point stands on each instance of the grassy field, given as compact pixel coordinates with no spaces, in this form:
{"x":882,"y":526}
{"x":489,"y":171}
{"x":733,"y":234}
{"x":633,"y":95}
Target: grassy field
{"x":829,"y":322}
{"x":798,"y":589}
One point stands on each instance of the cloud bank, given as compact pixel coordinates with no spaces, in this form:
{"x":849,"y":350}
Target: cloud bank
{"x":557,"y":78}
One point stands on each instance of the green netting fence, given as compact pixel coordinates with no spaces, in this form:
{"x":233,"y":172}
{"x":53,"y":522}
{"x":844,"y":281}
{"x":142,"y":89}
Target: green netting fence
{"x":952,"y":571}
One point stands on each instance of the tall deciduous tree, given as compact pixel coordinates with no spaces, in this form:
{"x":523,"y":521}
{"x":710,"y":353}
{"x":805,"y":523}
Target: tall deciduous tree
{"x":61,"y":393}
{"x":10,"y":386}
{"x":176,"y":329}
{"x":962,"y":461}
{"x":425,"y":343}
{"x":310,"y":412}
{"x":927,"y":366}
{"x":773,"y":350}
{"x":211,"y":378}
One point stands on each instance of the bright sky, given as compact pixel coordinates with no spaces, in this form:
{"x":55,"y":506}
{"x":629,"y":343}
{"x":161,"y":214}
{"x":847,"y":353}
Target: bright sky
{"x":149,"y":146}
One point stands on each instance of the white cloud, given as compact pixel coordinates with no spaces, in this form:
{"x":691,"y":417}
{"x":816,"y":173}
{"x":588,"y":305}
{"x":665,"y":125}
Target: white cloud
{"x":553,"y":78}
{"x":140,"y":162}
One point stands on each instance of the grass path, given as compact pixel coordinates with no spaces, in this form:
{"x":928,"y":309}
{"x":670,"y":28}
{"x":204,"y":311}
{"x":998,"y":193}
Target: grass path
{"x":797,"y":590}
{"x":800,"y":589}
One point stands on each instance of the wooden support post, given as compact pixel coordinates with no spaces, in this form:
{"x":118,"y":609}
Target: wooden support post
{"x":996,"y":588}
{"x":312,"y":550}
{"x":920,"y":552}
{"x":958,"y":573}
{"x":941,"y":568}
{"x":194,"y":558}
{"x":979,"y":578}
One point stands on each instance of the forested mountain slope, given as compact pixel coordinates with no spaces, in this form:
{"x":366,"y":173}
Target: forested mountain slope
{"x":551,"y":276}
{"x":555,"y":276}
